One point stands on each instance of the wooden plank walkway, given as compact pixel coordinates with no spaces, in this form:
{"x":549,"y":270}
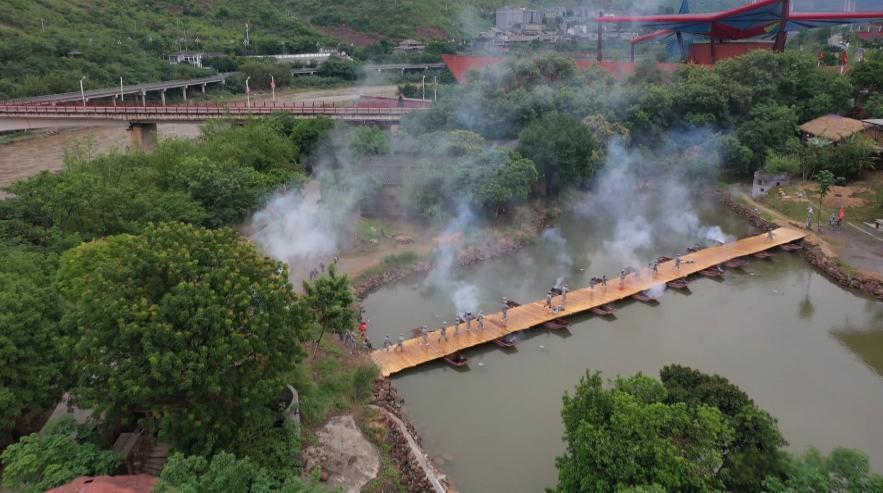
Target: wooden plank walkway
{"x":528,"y":315}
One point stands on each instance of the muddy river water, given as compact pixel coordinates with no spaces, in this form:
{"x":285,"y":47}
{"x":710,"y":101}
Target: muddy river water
{"x":804,"y":349}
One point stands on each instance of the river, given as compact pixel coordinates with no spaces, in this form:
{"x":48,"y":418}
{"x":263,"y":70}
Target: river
{"x":806,"y":350}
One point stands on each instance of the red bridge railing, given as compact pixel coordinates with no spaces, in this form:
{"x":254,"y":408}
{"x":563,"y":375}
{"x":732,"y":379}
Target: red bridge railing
{"x":197,"y":110}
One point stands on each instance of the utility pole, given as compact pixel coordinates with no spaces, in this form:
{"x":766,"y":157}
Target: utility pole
{"x":82,"y":92}
{"x":423,"y":88}
{"x":246,"y":33}
{"x":122,"y":96}
{"x":247,"y":93}
{"x":435,"y":89}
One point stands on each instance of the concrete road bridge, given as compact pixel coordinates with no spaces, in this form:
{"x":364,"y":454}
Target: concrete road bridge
{"x":136,"y":90}
{"x":142,"y":120}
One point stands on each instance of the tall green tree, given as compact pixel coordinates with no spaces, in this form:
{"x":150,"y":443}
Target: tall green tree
{"x":562,"y":148}
{"x":32,"y":366}
{"x":331,"y":299}
{"x":826,"y":180}
{"x":628,"y":436}
{"x":190,"y":330}
{"x":753,"y":454}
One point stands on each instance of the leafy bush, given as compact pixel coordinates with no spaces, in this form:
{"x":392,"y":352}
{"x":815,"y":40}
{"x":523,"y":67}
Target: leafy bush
{"x":40,"y":462}
{"x":368,"y":141}
{"x":224,"y":472}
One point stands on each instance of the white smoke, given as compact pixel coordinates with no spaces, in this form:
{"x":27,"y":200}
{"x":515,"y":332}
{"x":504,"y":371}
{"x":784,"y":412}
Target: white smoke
{"x":649,"y":197}
{"x":656,"y":291}
{"x":563,"y":261}
{"x":307,"y":226}
{"x":463,"y":295}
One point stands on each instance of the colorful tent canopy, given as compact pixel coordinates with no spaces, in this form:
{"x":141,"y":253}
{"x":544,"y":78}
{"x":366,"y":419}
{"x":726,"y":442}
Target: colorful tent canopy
{"x":764,"y":18}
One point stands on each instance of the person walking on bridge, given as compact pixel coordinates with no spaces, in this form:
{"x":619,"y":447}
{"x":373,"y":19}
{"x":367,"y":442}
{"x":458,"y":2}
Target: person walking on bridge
{"x":443,"y":332}
{"x":457,"y":325}
{"x":386,"y":343}
{"x":604,"y":281}
{"x":505,"y":312}
{"x":468,"y":321}
{"x":480,"y":320}
{"x":563,"y":294}
{"x":424,"y":334}
{"x":401,"y":345}
{"x":678,"y":262}
{"x":769,"y":233}
{"x":549,"y":299}
{"x":621,"y":278}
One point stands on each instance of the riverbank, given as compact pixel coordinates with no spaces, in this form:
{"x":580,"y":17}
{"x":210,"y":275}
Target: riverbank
{"x":816,"y":251}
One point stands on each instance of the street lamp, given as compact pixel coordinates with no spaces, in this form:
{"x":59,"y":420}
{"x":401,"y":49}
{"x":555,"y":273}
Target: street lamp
{"x":82,"y":92}
{"x":423,"y":87}
{"x":247,"y":93}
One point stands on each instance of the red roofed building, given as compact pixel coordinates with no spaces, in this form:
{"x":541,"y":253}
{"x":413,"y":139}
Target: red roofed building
{"x":138,"y":483}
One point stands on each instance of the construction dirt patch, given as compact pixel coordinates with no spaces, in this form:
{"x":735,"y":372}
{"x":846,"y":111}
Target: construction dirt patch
{"x":346,"y":458}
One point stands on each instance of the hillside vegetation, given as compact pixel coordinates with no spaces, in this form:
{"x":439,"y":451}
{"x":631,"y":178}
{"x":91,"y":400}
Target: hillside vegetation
{"x":131,"y":38}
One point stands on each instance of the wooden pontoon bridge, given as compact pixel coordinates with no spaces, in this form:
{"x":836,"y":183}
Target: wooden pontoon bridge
{"x":528,"y":315}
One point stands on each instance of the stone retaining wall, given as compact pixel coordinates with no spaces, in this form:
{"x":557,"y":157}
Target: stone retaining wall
{"x":410,"y":458}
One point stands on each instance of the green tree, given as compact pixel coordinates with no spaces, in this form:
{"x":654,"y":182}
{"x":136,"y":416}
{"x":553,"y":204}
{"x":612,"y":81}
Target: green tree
{"x":42,"y":461}
{"x":867,"y":77}
{"x":331,"y":300}
{"x":186,"y":328}
{"x":562,"y":148}
{"x":826,"y":180}
{"x":31,"y":365}
{"x":368,"y":141}
{"x":339,"y":68}
{"x":770,"y":127}
{"x":627,"y":436}
{"x":753,"y":454}
{"x":227,"y":191}
{"x":497,"y":178}
{"x":844,"y":471}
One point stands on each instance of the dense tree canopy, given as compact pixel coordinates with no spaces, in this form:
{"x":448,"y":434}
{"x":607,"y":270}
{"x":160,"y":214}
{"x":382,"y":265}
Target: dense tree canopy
{"x":189,"y":328}
{"x":32,"y":368}
{"x":753,"y":454}
{"x":628,"y":436}
{"x":562,"y":148}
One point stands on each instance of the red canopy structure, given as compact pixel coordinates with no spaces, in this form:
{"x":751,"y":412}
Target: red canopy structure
{"x":770,"y":19}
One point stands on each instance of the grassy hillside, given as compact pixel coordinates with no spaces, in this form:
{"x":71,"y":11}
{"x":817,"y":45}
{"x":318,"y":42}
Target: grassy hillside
{"x":130,"y":38}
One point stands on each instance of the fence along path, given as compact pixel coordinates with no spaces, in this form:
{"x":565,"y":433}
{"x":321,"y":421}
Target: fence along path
{"x":533,"y":314}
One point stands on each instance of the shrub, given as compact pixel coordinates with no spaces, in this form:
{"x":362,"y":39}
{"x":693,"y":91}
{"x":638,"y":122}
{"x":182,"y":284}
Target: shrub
{"x":40,"y":462}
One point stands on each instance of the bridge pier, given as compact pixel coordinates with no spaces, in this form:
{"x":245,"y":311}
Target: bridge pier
{"x":162,"y":95}
{"x":184,"y":93}
{"x":203,"y":88}
{"x":143,"y":97}
{"x":143,"y":135}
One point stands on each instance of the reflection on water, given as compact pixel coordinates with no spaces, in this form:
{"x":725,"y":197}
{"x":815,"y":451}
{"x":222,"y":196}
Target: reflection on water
{"x":806,"y":350}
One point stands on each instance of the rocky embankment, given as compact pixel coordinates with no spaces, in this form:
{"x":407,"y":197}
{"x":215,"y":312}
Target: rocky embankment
{"x":812,"y":251}
{"x":417,"y":470}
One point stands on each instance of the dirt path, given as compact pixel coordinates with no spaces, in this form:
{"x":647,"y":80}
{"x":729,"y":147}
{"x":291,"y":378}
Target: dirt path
{"x":853,"y":245}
